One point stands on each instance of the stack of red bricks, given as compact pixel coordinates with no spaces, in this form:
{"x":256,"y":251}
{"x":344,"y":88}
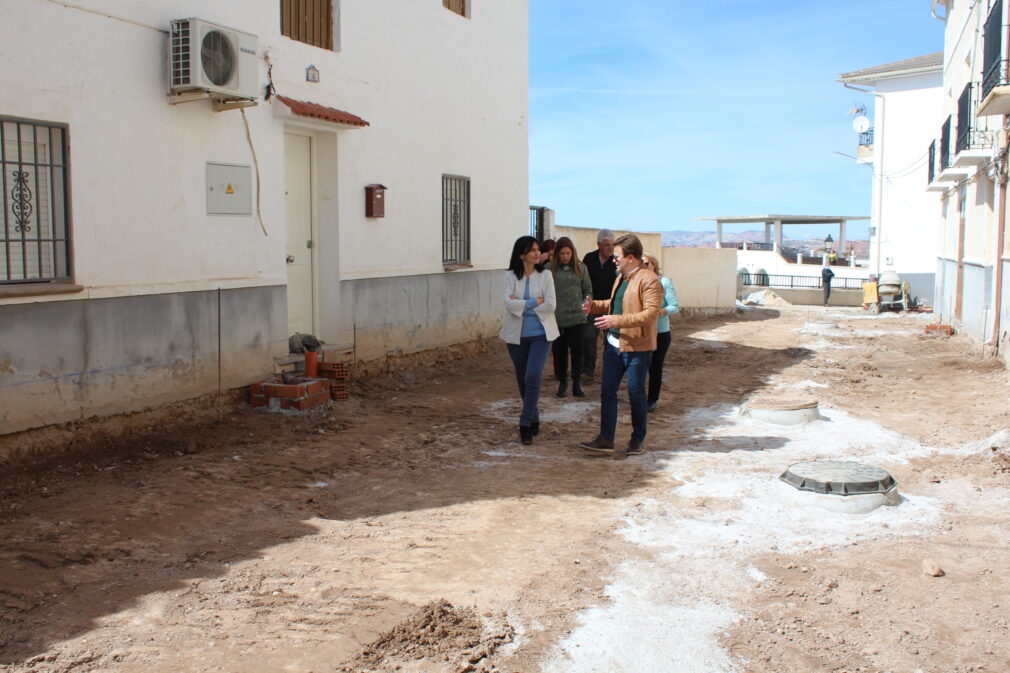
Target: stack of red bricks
{"x":936,"y":329}
{"x":299,"y":395}
{"x":336,"y":375}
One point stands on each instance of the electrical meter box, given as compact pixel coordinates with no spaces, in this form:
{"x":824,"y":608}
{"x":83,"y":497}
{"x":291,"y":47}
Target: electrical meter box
{"x":229,"y":189}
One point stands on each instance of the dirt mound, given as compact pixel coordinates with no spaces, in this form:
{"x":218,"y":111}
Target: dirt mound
{"x":437,"y":631}
{"x":764,"y":298}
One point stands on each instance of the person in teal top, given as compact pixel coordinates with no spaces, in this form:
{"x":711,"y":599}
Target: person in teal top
{"x":571,"y":286}
{"x":670,"y":306}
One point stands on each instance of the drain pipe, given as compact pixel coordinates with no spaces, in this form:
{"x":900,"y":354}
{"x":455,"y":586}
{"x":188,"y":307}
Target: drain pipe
{"x":1000,"y":233}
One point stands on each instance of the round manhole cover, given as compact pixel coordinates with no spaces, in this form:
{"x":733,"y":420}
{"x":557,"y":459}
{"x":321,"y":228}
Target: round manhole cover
{"x":837,"y":477}
{"x":780,"y":403}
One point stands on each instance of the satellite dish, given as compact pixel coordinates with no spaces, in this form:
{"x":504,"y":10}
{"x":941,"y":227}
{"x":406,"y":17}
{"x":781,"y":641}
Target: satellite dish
{"x":861,"y":124}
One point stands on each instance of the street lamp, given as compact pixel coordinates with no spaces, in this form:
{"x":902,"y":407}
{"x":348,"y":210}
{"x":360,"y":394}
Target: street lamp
{"x":828,"y":242}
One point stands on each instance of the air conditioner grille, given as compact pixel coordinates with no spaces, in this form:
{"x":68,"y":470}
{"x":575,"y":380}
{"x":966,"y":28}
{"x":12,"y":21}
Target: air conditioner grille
{"x":218,"y":57}
{"x":181,"y":74}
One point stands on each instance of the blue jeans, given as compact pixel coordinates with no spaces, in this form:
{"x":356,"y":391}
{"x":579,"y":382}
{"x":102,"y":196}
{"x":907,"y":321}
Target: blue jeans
{"x":528,"y":357}
{"x":615,"y":364}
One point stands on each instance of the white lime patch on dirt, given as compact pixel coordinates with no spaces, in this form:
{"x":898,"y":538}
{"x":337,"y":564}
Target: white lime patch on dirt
{"x":709,"y":335}
{"x":811,"y":384}
{"x":724,"y":508}
{"x":552,"y":410}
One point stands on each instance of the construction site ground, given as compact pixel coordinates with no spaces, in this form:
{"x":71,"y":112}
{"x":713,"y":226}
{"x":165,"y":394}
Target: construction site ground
{"x":408,"y":529}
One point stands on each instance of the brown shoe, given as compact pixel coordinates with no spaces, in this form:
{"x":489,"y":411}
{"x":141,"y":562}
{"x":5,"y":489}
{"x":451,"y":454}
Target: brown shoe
{"x":634,"y":448}
{"x":600,"y":444}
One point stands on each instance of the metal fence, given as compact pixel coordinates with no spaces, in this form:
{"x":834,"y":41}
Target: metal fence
{"x":799,"y":282}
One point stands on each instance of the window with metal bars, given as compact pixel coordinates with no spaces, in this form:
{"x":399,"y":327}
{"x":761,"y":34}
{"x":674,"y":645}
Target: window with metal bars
{"x":308,"y":21}
{"x":35,"y":236}
{"x":455,"y":219}
{"x":458,"y":6}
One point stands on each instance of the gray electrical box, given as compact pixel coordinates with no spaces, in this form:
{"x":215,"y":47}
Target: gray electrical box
{"x":229,"y":189}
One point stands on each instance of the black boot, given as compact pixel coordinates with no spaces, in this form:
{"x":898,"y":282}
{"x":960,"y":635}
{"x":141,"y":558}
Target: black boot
{"x":577,"y":387}
{"x":563,"y":387}
{"x":525,"y":434}
{"x":535,"y":428}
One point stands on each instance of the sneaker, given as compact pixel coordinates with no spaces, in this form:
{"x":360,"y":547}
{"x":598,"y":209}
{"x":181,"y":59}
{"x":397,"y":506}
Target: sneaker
{"x":599,"y":444}
{"x":652,"y":405}
{"x":634,"y":447}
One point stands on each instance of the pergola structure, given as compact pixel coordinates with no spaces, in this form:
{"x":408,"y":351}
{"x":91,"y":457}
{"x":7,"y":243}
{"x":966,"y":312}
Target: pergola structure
{"x":774,"y":223}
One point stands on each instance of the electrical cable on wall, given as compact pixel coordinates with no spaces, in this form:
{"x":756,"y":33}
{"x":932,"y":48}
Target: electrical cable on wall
{"x":256,"y":166}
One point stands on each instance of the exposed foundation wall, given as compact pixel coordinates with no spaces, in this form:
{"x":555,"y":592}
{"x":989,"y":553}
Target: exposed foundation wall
{"x":66,"y":360}
{"x":391,"y":317}
{"x":976,"y":316}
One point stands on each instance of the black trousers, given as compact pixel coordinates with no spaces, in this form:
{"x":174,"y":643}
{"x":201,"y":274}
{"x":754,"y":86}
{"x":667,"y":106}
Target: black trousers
{"x":590,"y":339}
{"x":569,"y":341}
{"x":656,"y":366}
{"x":827,"y":292}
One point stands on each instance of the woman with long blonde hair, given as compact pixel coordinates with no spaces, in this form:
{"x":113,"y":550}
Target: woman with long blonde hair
{"x":669,"y":307}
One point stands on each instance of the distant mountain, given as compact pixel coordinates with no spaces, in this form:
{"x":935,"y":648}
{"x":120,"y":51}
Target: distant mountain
{"x":706,"y":239}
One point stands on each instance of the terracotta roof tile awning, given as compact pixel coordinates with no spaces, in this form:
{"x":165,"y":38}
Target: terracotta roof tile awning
{"x":322,"y":113}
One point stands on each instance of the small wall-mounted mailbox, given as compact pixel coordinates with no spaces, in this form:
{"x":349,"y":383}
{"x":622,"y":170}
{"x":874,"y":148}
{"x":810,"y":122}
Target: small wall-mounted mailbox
{"x":375,"y":200}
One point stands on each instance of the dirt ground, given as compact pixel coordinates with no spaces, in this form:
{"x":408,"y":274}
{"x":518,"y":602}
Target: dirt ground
{"x":408,"y":530}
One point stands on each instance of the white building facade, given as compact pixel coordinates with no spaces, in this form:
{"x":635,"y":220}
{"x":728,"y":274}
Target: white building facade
{"x":968,"y":169}
{"x":908,"y":105}
{"x":153,"y":252}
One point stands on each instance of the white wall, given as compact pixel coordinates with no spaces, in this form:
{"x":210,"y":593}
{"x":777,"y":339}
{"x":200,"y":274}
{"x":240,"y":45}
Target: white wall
{"x":909,"y":216}
{"x":443,"y":94}
{"x":137,"y":163}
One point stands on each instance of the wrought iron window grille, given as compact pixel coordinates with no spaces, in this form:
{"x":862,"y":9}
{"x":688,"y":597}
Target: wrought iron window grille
{"x":35,"y":231}
{"x":455,"y":219}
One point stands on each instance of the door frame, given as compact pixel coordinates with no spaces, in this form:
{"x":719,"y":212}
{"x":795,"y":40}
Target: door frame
{"x":313,"y":223}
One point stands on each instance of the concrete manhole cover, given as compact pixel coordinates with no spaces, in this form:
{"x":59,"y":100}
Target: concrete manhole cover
{"x":838,"y":486}
{"x":837,"y":477}
{"x":782,"y":409}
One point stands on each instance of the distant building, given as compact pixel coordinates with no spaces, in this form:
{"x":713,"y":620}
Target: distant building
{"x":904,"y":228}
{"x":968,"y":169}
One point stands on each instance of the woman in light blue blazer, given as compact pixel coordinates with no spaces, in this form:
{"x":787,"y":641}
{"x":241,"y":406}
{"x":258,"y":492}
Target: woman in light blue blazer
{"x":529,"y":327}
{"x":670,"y":306}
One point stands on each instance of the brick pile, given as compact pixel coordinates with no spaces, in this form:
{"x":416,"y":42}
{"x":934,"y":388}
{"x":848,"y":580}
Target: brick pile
{"x":936,"y":329}
{"x":336,"y":374}
{"x":297,"y":395}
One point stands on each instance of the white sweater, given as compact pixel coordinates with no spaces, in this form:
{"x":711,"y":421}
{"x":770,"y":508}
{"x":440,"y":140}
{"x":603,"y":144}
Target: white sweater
{"x":541,"y":285}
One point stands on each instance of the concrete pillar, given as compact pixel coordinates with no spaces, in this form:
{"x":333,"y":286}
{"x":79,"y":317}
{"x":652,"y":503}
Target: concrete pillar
{"x":768,"y":232}
{"x":548,"y":223}
{"x":718,"y":234}
{"x":841,"y":237}
{"x":778,"y":234}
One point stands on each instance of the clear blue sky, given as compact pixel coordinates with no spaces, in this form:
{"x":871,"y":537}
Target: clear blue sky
{"x":650,"y":113}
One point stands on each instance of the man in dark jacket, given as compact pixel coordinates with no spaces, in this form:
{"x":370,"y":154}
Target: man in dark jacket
{"x":826,"y":275}
{"x":602,"y":271}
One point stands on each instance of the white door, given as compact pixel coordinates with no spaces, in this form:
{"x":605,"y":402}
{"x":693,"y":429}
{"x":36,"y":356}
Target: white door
{"x":298,"y":213}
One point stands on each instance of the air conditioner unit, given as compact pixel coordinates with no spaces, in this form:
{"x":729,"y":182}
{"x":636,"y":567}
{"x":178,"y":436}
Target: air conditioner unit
{"x":205,"y":58}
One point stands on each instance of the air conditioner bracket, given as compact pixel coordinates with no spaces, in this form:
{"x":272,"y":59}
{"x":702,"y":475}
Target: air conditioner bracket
{"x":222,"y":105}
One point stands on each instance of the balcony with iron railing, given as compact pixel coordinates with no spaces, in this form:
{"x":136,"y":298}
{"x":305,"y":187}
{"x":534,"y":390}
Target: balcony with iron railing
{"x":973,"y":145}
{"x":864,"y":151}
{"x":945,"y":145}
{"x":995,"y":98}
